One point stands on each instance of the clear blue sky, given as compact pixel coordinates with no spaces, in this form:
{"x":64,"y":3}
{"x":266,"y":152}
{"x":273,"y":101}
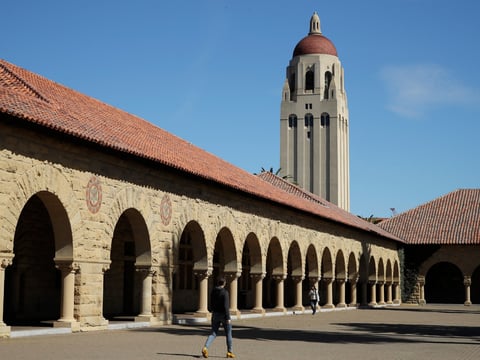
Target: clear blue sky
{"x":212,"y":71}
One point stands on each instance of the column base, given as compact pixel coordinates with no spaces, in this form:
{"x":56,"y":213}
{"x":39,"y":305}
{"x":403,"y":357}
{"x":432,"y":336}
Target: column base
{"x":143,"y":318}
{"x":4,"y":331}
{"x":421,"y":302}
{"x":279,"y":309}
{"x":467,"y":303}
{"x":202,"y":314}
{"x":258,"y":310}
{"x":372,"y":304}
{"x":327,"y":306}
{"x":341,"y":305}
{"x":69,"y":324}
{"x":353,"y":305}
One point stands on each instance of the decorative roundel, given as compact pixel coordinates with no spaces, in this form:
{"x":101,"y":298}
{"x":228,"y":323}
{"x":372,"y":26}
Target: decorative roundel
{"x":166,"y":210}
{"x":94,"y":194}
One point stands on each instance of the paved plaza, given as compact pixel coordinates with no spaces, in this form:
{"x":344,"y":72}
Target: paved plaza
{"x":429,"y":332}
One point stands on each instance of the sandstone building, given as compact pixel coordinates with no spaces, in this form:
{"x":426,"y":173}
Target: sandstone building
{"x":441,"y":250}
{"x":105,"y":215}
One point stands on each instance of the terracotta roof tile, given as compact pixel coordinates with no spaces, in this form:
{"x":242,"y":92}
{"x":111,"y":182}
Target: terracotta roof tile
{"x":453,"y":219}
{"x":31,"y":97}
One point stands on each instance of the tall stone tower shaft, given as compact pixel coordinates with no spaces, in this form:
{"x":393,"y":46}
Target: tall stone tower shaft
{"x":314,"y":135}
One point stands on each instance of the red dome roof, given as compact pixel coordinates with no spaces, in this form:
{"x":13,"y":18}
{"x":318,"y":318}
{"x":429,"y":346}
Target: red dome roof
{"x":315,"y":44}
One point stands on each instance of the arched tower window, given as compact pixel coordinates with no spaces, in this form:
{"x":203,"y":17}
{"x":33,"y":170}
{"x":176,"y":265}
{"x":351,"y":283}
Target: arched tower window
{"x":328,"y":79}
{"x":292,"y":121}
{"x":309,"y":80}
{"x":309,"y":120}
{"x":291,"y":82}
{"x":325,"y":120}
{"x":309,"y":124}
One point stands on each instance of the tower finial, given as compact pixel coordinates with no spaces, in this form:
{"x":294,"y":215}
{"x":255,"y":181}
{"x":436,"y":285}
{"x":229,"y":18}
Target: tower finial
{"x":315,"y":24}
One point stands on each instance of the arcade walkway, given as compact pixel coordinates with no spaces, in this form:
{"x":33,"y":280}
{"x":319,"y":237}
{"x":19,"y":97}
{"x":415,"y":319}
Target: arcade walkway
{"x":429,"y":332}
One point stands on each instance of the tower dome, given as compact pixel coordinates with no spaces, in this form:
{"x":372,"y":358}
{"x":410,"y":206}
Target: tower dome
{"x":315,"y":42}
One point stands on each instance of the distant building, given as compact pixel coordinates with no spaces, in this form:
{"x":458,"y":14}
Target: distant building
{"x":442,"y":249}
{"x":314,"y":120}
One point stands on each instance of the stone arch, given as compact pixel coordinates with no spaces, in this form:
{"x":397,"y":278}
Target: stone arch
{"x":135,"y":202}
{"x":129,"y":251}
{"x":353,"y":277}
{"x":396,"y":272}
{"x":340,"y":269}
{"x":444,"y":284}
{"x":339,"y":279}
{"x":327,"y":264}
{"x":274,"y":272}
{"x":388,"y":272}
{"x":55,"y":191}
{"x":327,"y":272}
{"x":352,"y":267}
{"x":311,"y":264}
{"x":294,"y":273}
{"x":252,"y":266}
{"x":191,"y":262}
{"x":42,"y":241}
{"x":381,"y":271}
{"x":372,"y":270}
{"x":225,"y":254}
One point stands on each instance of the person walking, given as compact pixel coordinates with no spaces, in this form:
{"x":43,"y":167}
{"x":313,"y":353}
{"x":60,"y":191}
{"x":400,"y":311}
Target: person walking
{"x":220,"y":303}
{"x":314,"y":297}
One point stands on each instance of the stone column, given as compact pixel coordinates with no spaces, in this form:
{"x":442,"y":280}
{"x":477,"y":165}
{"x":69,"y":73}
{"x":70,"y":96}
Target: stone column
{"x":280,"y":296}
{"x":146,"y":305}
{"x":467,"y":281}
{"x":353,"y":292}
{"x":4,"y":329}
{"x":381,"y":289}
{"x":421,"y":285}
{"x":341,"y":303}
{"x":232,"y":278}
{"x":258,"y":279}
{"x":68,"y":271}
{"x":329,"y":300}
{"x":389,"y":293}
{"x":298,"y":293}
{"x":203,"y":293}
{"x":396,"y":292}
{"x":373,"y":292}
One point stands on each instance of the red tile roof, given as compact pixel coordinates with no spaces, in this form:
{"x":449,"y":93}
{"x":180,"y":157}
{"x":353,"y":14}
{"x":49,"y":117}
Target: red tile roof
{"x":331,"y":208}
{"x":37,"y":100}
{"x":453,"y":219}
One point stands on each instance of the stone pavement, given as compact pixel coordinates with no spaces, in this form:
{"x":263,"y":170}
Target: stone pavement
{"x":406,"y":332}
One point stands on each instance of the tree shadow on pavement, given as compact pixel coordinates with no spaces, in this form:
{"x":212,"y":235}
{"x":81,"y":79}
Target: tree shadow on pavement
{"x":360,"y":333}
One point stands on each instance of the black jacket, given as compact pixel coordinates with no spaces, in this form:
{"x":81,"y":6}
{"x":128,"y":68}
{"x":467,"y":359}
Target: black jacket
{"x":220,"y":301}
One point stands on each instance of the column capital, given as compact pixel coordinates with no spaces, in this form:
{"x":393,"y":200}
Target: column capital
{"x":5,"y":261}
{"x":202,"y":274}
{"x":232,"y":275}
{"x":467,"y":281}
{"x":150,"y":271}
{"x":298,"y":278}
{"x":259,"y":276}
{"x":327,"y":280}
{"x":279,"y":277}
{"x":69,"y":266}
{"x":421,"y":280}
{"x":341,"y":281}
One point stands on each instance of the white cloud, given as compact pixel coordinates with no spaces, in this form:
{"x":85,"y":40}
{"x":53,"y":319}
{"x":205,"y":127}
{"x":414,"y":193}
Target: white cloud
{"x":414,"y":89}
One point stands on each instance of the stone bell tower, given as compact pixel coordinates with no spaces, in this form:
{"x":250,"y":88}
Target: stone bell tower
{"x":314,"y":140}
